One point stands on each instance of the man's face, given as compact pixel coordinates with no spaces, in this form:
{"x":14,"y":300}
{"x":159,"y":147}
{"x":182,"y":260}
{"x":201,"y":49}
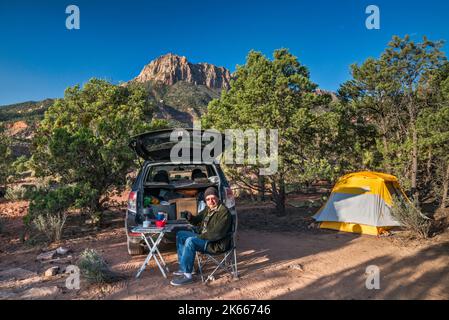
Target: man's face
{"x":212,"y":201}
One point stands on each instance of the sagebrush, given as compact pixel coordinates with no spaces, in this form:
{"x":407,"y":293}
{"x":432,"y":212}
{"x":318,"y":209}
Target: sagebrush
{"x":14,"y":193}
{"x":51,"y":225}
{"x":411,"y":218}
{"x":95,"y":269}
{"x":48,"y":210}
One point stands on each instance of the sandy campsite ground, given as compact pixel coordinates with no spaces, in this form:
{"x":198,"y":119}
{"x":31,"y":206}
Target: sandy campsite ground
{"x":278,"y":258}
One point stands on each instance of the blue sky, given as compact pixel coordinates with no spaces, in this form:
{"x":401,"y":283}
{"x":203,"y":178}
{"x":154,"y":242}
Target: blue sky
{"x":39,"y":57}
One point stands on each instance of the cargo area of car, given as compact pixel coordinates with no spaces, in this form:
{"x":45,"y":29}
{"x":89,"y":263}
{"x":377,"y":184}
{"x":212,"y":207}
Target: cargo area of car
{"x":174,"y":189}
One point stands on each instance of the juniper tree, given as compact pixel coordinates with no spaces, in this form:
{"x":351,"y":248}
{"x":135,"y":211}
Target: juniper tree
{"x":391,"y":93}
{"x":277,"y":94}
{"x":83,"y":138}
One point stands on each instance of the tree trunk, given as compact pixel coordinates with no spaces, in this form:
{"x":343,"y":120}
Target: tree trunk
{"x":387,"y":157}
{"x":280,"y":204}
{"x":251,"y":195}
{"x":445,"y":188}
{"x":429,"y":166}
{"x":385,"y":144}
{"x":279,"y":196}
{"x":96,"y":207}
{"x":414,"y":172}
{"x":261,"y":186}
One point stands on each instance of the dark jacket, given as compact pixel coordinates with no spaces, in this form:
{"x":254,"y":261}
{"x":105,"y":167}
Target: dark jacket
{"x":215,"y":226}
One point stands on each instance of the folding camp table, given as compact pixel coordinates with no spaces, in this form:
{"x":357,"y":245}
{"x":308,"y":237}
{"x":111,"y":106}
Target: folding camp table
{"x":148,"y":233}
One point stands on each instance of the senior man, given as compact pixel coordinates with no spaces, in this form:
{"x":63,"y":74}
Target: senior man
{"x":215,"y":223}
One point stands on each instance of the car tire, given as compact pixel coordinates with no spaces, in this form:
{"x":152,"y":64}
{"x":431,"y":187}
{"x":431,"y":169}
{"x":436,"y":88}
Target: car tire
{"x":135,"y":249}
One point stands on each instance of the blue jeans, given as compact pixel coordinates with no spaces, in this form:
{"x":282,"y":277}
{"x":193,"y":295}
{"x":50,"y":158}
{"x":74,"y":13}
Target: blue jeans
{"x":187,"y":244}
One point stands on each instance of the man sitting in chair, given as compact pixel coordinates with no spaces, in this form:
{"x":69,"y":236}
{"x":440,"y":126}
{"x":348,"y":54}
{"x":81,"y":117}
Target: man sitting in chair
{"x":215,"y":223}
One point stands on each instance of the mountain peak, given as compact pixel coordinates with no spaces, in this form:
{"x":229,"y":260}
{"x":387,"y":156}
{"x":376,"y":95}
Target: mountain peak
{"x":171,"y":68}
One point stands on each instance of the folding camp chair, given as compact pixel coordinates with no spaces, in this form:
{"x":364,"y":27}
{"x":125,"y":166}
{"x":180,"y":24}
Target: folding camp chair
{"x":228,"y":261}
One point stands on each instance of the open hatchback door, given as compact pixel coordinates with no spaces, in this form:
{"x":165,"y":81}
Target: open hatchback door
{"x":188,"y":143}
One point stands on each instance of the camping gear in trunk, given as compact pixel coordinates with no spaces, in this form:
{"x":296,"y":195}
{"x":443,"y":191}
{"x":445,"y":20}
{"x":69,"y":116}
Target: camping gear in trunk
{"x":188,"y":193}
{"x":185,"y":204}
{"x":169,"y":209}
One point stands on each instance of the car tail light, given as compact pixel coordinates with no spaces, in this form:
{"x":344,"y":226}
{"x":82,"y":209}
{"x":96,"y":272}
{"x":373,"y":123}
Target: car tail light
{"x":229,"y":198}
{"x":132,"y":201}
{"x":134,"y":234}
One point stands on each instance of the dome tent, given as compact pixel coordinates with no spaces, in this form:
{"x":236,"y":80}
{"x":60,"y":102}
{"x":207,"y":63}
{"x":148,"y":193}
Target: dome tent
{"x":361,"y":203}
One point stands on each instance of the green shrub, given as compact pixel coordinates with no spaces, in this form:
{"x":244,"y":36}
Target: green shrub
{"x":15,"y":193}
{"x":6,"y":157}
{"x":51,"y":225}
{"x":27,"y":191}
{"x":48,"y":210}
{"x":20,"y":165}
{"x":411,"y":218}
{"x":94,"y":269}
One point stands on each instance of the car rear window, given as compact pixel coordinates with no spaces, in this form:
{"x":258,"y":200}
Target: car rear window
{"x":175,"y":173}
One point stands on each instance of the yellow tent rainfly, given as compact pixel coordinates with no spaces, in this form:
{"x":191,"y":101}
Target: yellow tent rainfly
{"x":360,"y":203}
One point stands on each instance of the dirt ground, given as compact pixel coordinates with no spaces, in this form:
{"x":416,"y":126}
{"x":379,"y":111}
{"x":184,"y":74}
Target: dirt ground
{"x":278,"y":258}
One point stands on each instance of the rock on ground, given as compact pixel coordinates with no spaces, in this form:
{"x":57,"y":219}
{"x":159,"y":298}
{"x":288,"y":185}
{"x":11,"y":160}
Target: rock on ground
{"x":46,"y":255}
{"x":16,"y":273}
{"x":50,"y":272}
{"x":39,"y":293}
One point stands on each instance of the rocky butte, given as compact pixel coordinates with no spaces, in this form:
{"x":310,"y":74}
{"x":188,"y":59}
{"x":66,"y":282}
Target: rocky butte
{"x":170,"y":69}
